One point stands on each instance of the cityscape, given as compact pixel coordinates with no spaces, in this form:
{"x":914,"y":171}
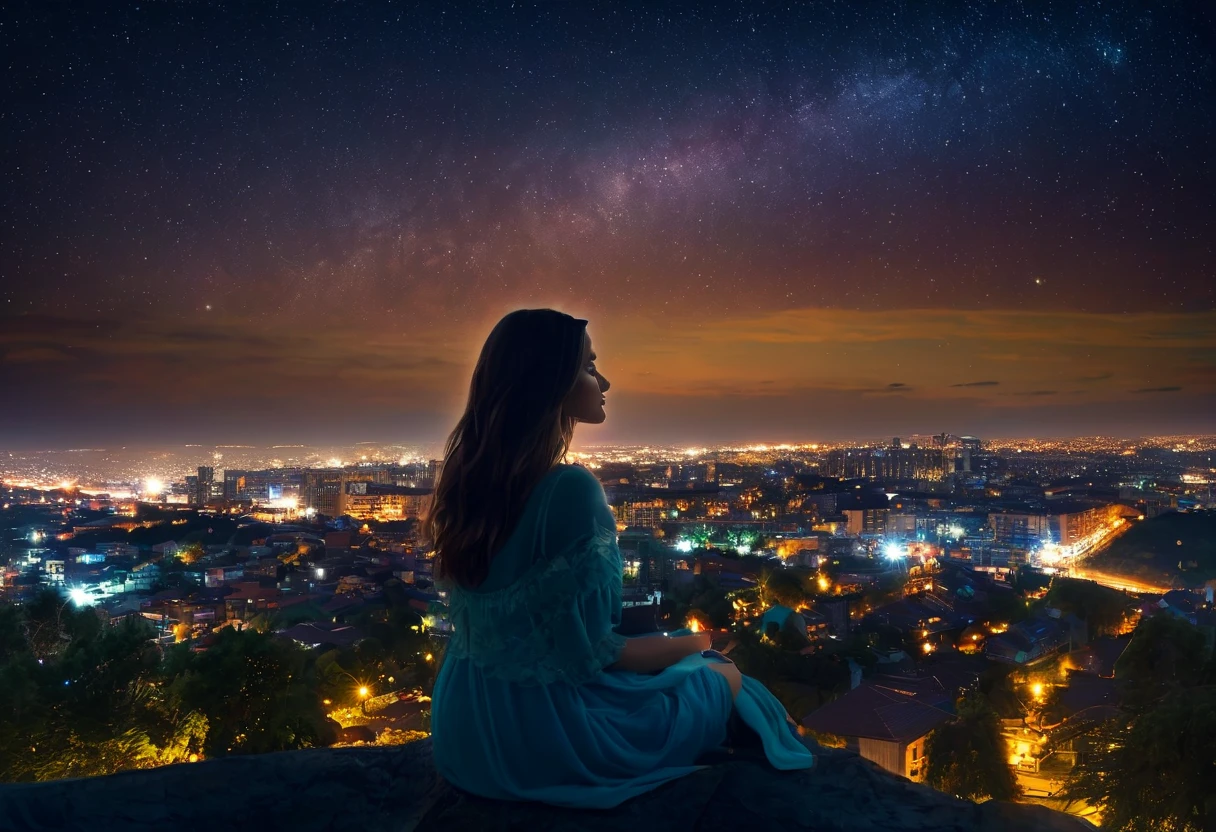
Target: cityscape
{"x":899,"y":325}
{"x":917,"y":570}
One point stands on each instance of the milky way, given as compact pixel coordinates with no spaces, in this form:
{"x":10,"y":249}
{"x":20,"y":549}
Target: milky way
{"x":201,"y":169}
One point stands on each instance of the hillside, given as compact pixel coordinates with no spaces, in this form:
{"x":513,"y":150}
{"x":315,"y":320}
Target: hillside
{"x":1175,"y":548}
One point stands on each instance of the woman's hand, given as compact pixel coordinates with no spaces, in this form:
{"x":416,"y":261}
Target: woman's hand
{"x":701,"y":640}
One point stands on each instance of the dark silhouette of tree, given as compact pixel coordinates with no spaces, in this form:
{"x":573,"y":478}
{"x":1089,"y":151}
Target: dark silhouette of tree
{"x":967,"y":756}
{"x":257,"y":692}
{"x":1153,"y":767}
{"x":783,"y":586}
{"x":1100,"y":607}
{"x":1155,"y":771}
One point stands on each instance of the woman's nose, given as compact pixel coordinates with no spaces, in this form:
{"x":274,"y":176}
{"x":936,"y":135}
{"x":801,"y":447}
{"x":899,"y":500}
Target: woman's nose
{"x":604,"y":385}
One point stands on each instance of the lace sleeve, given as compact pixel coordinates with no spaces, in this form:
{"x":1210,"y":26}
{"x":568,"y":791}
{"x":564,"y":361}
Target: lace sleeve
{"x":554,"y":624}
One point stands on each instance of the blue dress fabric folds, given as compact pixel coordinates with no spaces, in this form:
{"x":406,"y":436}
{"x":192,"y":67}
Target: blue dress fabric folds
{"x":525,"y":706}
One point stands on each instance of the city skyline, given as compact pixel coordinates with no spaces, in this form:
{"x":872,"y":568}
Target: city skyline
{"x":818,"y":224}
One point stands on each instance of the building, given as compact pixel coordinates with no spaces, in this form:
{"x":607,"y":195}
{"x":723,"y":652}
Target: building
{"x":886,"y":720}
{"x":646,"y":556}
{"x":650,"y":514}
{"x":370,"y":501}
{"x":321,"y":491}
{"x":234,"y":483}
{"x":869,"y":521}
{"x":203,"y":485}
{"x":1030,"y":641}
{"x":893,"y":463}
{"x":1066,"y":525}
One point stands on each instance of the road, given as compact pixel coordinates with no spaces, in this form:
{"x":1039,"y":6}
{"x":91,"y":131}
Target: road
{"x":1116,"y":581}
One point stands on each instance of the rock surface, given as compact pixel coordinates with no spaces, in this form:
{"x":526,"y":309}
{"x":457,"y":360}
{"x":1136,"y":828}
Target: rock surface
{"x":396,"y":789}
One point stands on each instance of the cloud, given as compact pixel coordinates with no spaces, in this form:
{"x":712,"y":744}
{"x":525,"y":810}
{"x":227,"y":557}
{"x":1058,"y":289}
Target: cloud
{"x":274,"y":375}
{"x":849,"y":349}
{"x":33,"y":355}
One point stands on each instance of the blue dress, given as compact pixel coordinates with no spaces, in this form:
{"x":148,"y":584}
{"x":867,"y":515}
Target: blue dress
{"x":523,"y":707}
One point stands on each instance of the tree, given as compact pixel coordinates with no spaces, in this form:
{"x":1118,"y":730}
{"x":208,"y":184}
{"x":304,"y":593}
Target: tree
{"x":783,"y":586}
{"x":1101,"y":607}
{"x":967,"y":756}
{"x":256,"y":690}
{"x":1156,"y":771}
{"x":1153,"y":767}
{"x":1165,"y":653}
{"x":191,"y":553}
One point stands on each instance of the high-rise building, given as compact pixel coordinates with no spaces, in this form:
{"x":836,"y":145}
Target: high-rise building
{"x":234,"y":483}
{"x":322,"y":492}
{"x":202,"y":486}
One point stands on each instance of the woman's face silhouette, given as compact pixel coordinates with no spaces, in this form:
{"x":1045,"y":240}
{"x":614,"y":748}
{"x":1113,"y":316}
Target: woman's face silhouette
{"x":586,"y":401}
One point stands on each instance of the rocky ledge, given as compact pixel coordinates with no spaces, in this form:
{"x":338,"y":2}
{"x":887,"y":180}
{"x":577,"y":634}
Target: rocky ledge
{"x":370,"y":789}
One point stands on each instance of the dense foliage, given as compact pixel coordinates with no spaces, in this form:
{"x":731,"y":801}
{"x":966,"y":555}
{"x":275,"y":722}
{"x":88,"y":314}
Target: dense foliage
{"x":1101,"y":607}
{"x":1153,"y":767}
{"x":80,"y":696}
{"x":967,"y":755}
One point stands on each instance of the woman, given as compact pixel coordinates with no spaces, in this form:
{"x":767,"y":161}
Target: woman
{"x":538,"y":697}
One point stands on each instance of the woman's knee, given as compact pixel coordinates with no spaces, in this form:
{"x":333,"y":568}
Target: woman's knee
{"x":732,"y":675}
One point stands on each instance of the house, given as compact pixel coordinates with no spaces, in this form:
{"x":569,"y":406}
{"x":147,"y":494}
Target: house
{"x":324,"y":634}
{"x":1099,"y":657}
{"x":1034,"y":639}
{"x":887,"y":721}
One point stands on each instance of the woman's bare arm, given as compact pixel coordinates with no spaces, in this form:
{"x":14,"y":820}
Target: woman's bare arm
{"x":651,"y":653}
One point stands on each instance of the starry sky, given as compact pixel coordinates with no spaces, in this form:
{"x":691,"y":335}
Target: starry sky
{"x":785,"y":222}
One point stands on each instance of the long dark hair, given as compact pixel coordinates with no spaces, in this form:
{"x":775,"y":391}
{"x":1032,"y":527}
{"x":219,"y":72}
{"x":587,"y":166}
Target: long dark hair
{"x":512,"y":433}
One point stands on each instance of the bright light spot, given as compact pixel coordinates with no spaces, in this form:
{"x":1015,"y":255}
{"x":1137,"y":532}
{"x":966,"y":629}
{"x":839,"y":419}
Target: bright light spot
{"x":363,"y":691}
{"x":310,"y":511}
{"x":334,"y":463}
{"x":1037,"y":689}
{"x":153,"y":486}
{"x":824,"y":584}
{"x":684,"y":546}
{"x":893,"y":551}
{"x":429,"y":657}
{"x":957,"y":532}
{"x":694,"y":625}
{"x":743,"y":549}
{"x":928,"y":648}
{"x":79,"y":597}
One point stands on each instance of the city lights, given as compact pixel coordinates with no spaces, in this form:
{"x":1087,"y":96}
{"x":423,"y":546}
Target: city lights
{"x":893,"y":551}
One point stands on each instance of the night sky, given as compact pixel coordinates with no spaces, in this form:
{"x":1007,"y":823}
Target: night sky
{"x":297,"y":222}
